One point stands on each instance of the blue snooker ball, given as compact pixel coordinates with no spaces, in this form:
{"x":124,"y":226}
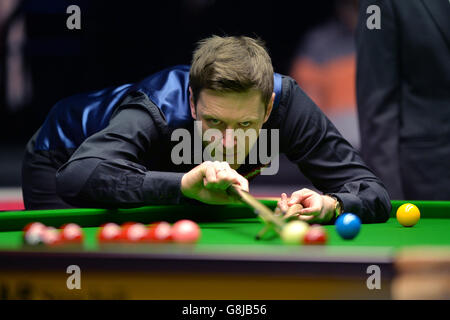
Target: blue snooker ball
{"x":348,"y":225}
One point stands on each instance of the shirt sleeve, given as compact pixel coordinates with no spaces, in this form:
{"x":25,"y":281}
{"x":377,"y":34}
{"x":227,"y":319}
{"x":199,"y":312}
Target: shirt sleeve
{"x":333,"y":166}
{"x":107,"y":170}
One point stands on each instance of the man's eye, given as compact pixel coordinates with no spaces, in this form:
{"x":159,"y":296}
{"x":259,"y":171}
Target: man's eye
{"x":215,"y":122}
{"x":245,"y":123}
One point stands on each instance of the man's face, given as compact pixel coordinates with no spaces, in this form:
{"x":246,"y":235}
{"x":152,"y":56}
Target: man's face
{"x":233,"y":111}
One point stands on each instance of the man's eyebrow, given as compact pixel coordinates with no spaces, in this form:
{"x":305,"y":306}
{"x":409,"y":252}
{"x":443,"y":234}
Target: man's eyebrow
{"x":250,"y":120}
{"x":210,"y":116}
{"x":206,"y":115}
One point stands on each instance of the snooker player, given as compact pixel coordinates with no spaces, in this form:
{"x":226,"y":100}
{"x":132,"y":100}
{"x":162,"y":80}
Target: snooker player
{"x":112,"y":148}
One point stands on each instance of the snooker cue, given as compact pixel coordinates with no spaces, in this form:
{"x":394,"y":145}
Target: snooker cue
{"x":264,"y":212}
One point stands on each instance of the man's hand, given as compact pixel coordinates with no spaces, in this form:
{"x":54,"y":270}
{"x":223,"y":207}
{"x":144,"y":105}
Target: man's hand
{"x":208,"y":182}
{"x":316,"y":208}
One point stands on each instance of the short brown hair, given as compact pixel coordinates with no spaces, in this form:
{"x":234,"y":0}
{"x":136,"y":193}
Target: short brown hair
{"x":231,"y":64}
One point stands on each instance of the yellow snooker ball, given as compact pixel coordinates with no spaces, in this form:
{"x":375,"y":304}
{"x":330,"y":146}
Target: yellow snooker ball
{"x":408,"y":215}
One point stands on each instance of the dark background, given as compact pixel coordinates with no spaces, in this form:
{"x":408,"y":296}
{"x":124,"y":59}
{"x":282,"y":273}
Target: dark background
{"x":125,"y":41}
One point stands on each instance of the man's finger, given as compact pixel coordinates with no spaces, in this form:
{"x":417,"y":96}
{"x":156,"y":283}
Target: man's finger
{"x":210,"y":176}
{"x":215,"y":175}
{"x":296,"y":197}
{"x":226,"y":177}
{"x":306,"y":218}
{"x":310,"y":211}
{"x":243,"y":183}
{"x":282,"y":204}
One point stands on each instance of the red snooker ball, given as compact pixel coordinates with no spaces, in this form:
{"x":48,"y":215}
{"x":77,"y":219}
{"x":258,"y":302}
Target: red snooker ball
{"x":124,"y":230}
{"x":185,"y":231}
{"x":133,"y":232}
{"x":315,"y":235}
{"x":109,"y":232}
{"x":51,"y":236}
{"x":71,"y":232}
{"x":159,"y":232}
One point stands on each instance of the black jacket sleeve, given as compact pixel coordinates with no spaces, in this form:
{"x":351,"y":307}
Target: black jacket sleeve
{"x":107,"y":169}
{"x":334,"y":167}
{"x":378,"y":95}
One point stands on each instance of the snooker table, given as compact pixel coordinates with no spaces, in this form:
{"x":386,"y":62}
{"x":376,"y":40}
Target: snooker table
{"x":228,"y":262}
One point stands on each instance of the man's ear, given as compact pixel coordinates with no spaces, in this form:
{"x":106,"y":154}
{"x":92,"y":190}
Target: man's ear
{"x":191,"y":104}
{"x":269,"y":107}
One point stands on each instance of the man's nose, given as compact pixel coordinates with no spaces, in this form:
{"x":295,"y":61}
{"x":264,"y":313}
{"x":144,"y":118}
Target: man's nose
{"x":228,"y":140}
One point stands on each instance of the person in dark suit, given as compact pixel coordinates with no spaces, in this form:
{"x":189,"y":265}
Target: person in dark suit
{"x":403,"y":96}
{"x":119,"y":147}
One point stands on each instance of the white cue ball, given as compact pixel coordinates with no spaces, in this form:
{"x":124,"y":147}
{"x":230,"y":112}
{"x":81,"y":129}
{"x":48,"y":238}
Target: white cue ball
{"x":294,"y":231}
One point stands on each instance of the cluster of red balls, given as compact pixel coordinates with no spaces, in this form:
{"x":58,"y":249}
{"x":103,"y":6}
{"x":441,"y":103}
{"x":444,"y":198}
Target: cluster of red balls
{"x":36,"y":233}
{"x":183,"y":231}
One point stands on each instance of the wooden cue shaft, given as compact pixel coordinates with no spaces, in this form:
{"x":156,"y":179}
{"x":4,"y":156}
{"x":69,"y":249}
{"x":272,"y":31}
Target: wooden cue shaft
{"x":262,"y":210}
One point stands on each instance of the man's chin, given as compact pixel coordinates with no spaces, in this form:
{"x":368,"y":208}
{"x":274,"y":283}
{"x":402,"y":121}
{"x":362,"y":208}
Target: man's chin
{"x":235,"y":166}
